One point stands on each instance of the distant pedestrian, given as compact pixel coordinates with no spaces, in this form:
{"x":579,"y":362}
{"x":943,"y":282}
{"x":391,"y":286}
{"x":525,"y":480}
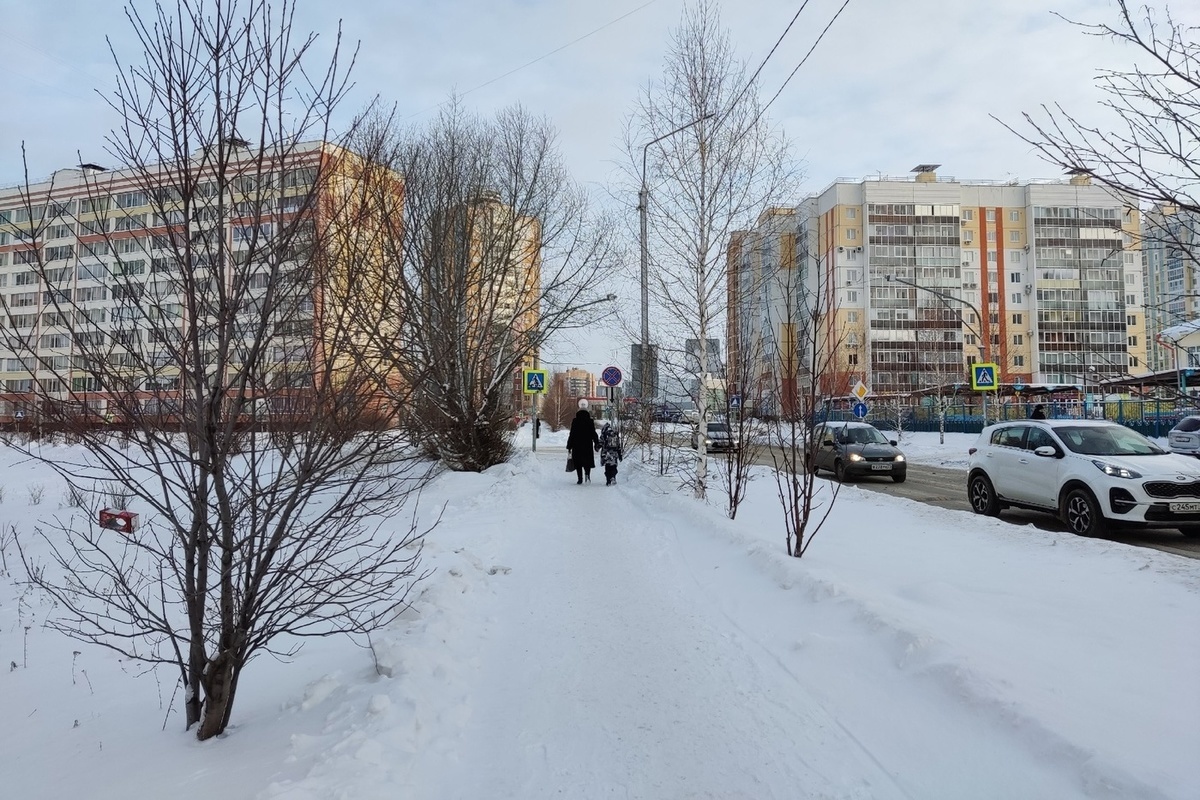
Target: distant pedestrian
{"x":582,"y":441}
{"x":1039,"y":412}
{"x":610,"y":452}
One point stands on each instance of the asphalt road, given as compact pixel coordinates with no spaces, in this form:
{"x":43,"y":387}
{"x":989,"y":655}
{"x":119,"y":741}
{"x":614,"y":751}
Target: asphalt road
{"x":947,"y":488}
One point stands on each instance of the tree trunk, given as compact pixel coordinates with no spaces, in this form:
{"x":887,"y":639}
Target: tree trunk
{"x":219,"y":686}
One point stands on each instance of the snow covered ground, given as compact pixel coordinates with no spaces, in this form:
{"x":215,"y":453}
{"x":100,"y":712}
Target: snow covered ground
{"x":630,"y":642}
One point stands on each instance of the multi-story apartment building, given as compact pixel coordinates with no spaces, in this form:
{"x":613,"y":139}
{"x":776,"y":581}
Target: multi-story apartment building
{"x":1171,"y":253}
{"x":109,"y":277}
{"x":907,"y":281}
{"x":579,"y":382}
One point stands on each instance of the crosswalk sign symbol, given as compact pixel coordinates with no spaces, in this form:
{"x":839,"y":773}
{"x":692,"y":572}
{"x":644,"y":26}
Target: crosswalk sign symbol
{"x":983,"y":377}
{"x":534,"y":381}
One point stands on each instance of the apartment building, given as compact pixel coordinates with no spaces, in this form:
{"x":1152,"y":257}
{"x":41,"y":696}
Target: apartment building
{"x":907,"y":281}
{"x":103,"y":271}
{"x":579,"y":382}
{"x":1171,"y":254}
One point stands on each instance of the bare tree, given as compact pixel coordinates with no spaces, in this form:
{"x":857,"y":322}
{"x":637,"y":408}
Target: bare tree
{"x":714,"y":162}
{"x":497,"y":250}
{"x":559,"y":407}
{"x":809,"y":367}
{"x":224,"y":384}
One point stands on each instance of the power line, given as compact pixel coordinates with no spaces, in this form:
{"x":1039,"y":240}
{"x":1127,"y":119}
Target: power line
{"x":542,"y":57}
{"x":762,"y":64}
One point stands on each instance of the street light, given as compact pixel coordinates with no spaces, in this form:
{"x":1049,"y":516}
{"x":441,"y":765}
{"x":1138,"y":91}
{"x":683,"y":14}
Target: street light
{"x":643,"y":212}
{"x":946,"y":296}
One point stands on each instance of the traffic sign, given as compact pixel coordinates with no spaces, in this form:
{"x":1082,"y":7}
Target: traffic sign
{"x":534,"y":381}
{"x":860,"y":410}
{"x":611,"y":376}
{"x":984,"y":377}
{"x":860,"y":390}
{"x":1018,"y":387}
{"x":735,"y":401}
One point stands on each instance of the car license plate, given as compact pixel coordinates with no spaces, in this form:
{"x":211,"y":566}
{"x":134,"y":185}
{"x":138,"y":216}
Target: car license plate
{"x":1185,"y":508}
{"x":882,"y":467}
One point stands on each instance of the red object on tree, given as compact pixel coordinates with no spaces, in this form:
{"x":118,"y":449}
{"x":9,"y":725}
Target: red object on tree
{"x":123,"y":521}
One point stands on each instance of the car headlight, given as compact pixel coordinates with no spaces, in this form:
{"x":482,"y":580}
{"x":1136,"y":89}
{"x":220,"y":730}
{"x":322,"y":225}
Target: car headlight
{"x":708,"y":442}
{"x":855,"y":457}
{"x":898,"y":458}
{"x":1115,"y":471}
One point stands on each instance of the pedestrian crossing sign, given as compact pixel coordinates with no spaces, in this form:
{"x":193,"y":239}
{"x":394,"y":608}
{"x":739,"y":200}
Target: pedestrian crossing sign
{"x":984,"y":377}
{"x":534,"y":381}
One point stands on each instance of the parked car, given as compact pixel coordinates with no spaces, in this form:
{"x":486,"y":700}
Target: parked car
{"x":719,"y":437}
{"x":1184,"y":438}
{"x":1092,"y":474}
{"x":855,"y":449}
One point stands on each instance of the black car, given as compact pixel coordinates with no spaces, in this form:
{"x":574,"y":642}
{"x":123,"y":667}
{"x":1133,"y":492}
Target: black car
{"x":853,"y":450}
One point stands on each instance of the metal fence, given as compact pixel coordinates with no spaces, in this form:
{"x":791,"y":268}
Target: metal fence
{"x":1153,"y":418}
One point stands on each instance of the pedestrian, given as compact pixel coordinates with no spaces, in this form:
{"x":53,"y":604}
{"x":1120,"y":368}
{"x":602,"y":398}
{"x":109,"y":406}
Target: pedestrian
{"x":1039,"y":412}
{"x":582,"y":441}
{"x":610,"y":452}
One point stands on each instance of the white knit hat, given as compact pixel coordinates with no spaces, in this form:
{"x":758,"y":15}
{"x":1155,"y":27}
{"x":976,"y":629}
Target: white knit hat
{"x":583,"y":404}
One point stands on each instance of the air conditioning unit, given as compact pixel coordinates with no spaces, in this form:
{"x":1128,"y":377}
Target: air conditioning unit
{"x":841,"y":249}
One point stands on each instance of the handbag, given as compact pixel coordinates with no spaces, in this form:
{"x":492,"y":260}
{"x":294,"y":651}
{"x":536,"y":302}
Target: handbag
{"x":570,"y":464}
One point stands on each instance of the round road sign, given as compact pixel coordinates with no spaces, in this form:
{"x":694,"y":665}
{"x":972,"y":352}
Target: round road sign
{"x":611,"y":376}
{"x":860,"y":410}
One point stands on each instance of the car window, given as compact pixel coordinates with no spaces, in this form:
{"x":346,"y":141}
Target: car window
{"x":1012,"y":436}
{"x":1188,"y":424}
{"x":1107,"y":440}
{"x":1037,"y":437}
{"x":718,"y":427}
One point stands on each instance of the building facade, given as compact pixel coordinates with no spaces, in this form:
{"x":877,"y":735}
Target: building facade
{"x":906,"y":282}
{"x":1170,"y":249}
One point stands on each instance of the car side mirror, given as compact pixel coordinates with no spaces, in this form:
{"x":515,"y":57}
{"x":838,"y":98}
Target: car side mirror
{"x":827,"y":443}
{"x":892,"y":442}
{"x":1047,"y":451}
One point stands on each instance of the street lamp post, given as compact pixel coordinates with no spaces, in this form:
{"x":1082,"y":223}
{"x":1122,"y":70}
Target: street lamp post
{"x":945,"y":297}
{"x":643,"y":223}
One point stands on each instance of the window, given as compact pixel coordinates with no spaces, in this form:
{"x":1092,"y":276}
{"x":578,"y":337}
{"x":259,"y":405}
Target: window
{"x":60,"y":253}
{"x":994,"y":297}
{"x":135,"y":267}
{"x":25,"y":257}
{"x":852,"y":316}
{"x":852,"y":359}
{"x":990,"y":215}
{"x":1014,"y":236}
{"x":1016,"y":298}
{"x":992,"y":257}
{"x":968,"y":214}
{"x":59,"y":231}
{"x":1131,"y":319}
{"x":1014,"y":277}
{"x":1130,"y":279}
{"x":25,"y":279}
{"x":851,"y":234}
{"x":131,"y":222}
{"x":1018,"y":339}
{"x":968,"y":237}
{"x":1131,"y":300}
{"x":1017,"y":319}
{"x":1133,"y":362}
{"x":3,"y":259}
{"x":991,"y":236}
{"x":131,"y":199}
{"x":1014,"y":256}
{"x":1018,"y":361}
{"x":1133,"y":341}
{"x":1014,"y":216}
{"x":851,"y":213}
{"x":23,"y":299}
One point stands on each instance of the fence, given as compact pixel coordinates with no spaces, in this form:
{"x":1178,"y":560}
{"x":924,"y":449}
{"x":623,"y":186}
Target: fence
{"x":1153,"y":418}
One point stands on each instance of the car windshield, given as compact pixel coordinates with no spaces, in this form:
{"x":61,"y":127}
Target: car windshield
{"x":863,"y":435}
{"x":1107,"y":440}
{"x":717,"y":427}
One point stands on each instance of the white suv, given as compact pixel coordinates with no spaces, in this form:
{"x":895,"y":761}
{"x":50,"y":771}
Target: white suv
{"x":1089,"y":473}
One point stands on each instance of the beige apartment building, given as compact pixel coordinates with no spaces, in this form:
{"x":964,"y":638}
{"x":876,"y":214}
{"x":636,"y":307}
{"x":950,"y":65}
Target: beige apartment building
{"x":908,"y":281}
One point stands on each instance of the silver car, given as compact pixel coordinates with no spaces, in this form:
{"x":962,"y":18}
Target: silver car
{"x":1184,"y":438}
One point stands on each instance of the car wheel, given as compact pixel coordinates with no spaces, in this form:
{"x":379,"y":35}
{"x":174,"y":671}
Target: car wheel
{"x":1190,"y":531}
{"x":899,"y":478}
{"x":839,"y":471}
{"x":1081,"y":512}
{"x":982,"y":496}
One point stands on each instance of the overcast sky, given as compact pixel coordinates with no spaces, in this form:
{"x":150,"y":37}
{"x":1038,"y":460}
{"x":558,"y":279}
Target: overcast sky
{"x":894,"y":83}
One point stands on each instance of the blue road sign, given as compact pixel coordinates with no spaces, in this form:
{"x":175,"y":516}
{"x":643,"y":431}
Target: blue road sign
{"x":735,"y":401}
{"x":535,"y":381}
{"x":611,"y":376}
{"x":860,"y":410}
{"x":983,"y":377}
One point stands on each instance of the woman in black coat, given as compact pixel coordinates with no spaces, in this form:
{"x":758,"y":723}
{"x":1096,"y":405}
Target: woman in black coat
{"x":582,"y":442}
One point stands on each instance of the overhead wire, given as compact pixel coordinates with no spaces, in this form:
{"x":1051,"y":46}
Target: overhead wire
{"x":542,"y":57}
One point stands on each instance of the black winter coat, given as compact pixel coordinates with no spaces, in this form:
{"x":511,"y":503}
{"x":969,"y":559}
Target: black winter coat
{"x":582,"y":440}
